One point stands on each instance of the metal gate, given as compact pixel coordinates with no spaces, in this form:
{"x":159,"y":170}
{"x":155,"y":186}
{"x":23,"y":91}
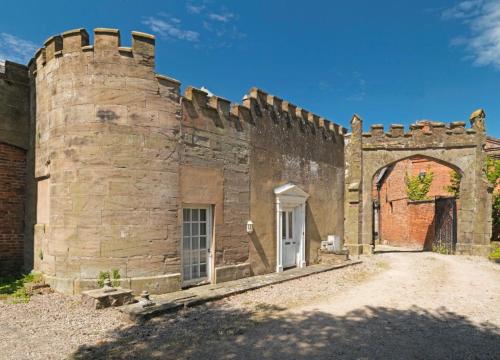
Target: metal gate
{"x":445,"y":237}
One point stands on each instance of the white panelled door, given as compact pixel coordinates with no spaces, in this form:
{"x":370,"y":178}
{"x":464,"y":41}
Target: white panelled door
{"x":288,"y":239}
{"x":196,"y":230}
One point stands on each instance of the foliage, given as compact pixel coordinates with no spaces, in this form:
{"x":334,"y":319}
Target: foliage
{"x":417,"y":187}
{"x":492,"y":170}
{"x":495,"y":254}
{"x":493,"y":175}
{"x":13,"y":287}
{"x":440,"y":249}
{"x":454,"y":187}
{"x":113,"y":275}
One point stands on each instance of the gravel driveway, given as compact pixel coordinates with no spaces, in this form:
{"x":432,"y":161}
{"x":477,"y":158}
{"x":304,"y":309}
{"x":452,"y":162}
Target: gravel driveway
{"x":393,"y":306}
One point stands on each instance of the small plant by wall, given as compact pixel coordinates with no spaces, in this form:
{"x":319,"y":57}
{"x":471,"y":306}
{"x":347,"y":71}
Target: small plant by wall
{"x":418,"y":186}
{"x":113,"y":275}
{"x":454,"y":187}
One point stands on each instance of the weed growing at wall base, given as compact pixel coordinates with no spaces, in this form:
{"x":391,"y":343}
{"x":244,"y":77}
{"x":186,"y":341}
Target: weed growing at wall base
{"x":12,"y":287}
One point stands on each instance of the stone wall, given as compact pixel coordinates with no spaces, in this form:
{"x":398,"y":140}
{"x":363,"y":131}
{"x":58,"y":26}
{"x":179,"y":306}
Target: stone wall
{"x":451,"y":144}
{"x":291,"y":145}
{"x":214,"y":158}
{"x":15,"y":161}
{"x":106,"y":143}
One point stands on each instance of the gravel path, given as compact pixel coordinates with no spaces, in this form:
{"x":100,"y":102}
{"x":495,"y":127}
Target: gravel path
{"x":394,"y":305}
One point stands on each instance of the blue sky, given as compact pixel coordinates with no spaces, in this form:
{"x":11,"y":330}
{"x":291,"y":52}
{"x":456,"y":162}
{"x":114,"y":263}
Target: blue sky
{"x":388,"y":61}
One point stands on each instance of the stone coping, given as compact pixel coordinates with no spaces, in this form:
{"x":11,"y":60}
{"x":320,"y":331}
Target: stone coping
{"x":178,"y":300}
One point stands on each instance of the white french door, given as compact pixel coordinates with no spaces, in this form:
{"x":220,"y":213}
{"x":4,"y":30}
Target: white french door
{"x":288,"y":240}
{"x":196,"y":236}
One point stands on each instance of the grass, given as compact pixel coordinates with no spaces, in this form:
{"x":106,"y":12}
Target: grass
{"x":12,"y":287}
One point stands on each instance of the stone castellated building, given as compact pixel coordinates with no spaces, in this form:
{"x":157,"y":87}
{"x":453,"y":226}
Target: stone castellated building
{"x":106,"y":166}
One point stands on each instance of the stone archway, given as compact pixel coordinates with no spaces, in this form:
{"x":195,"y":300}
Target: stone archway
{"x":399,"y":220}
{"x":453,"y":144}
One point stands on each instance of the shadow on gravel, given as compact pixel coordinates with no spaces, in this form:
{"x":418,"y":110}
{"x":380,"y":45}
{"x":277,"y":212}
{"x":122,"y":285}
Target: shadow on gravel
{"x":268,"y":333}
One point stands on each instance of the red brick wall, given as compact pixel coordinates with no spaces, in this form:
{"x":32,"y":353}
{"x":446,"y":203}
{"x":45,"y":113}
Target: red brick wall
{"x":12,"y":192}
{"x":421,"y":224}
{"x":410,"y":224}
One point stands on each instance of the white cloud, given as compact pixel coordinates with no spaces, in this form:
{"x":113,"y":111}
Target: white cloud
{"x":16,"y":49}
{"x":170,"y":28}
{"x":222,"y":17}
{"x":195,"y":9}
{"x":482,"y":17}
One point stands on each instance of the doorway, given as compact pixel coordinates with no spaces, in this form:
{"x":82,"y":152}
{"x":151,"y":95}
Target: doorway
{"x":290,"y":226}
{"x":288,"y":239}
{"x":196,"y":241}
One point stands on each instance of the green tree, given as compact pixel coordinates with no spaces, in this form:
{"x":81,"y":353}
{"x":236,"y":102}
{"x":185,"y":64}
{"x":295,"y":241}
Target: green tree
{"x":417,"y":187}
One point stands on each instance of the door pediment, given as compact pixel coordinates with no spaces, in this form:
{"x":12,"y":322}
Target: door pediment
{"x":291,"y":191}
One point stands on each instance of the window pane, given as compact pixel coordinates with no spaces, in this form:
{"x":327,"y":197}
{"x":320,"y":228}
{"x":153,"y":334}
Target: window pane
{"x":194,"y":229}
{"x":203,"y":229}
{"x":283,"y":225}
{"x":196,"y":272}
{"x":203,"y":270}
{"x":195,"y":243}
{"x":194,"y":214}
{"x":187,"y":229}
{"x":186,"y":272}
{"x":185,"y":215}
{"x":186,"y":243}
{"x":203,"y":242}
{"x":203,"y":256}
{"x":203,"y":215}
{"x":290,"y":224}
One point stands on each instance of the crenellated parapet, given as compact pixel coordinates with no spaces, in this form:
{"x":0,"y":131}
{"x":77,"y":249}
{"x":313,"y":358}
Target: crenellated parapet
{"x":424,"y":134}
{"x":257,"y":107}
{"x":106,"y":47}
{"x":13,"y":72}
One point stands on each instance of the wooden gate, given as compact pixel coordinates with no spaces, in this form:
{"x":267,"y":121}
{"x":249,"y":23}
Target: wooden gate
{"x":445,"y":238}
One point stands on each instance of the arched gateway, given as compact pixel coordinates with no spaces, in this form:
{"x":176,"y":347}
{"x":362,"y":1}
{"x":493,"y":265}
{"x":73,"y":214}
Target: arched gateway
{"x":453,"y":144}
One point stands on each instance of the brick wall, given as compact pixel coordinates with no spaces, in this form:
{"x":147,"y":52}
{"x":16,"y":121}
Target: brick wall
{"x":404,"y":223}
{"x":12,"y":192}
{"x":421,"y":224}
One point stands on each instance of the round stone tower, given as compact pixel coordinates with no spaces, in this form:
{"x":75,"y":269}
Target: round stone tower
{"x":106,"y":163}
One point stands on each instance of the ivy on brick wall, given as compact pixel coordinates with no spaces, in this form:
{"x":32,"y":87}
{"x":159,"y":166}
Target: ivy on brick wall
{"x":493,"y":174}
{"x":454,"y":187}
{"x":418,"y":186}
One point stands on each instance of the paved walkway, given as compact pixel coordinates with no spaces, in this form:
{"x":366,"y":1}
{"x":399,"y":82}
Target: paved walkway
{"x":175,"y":301}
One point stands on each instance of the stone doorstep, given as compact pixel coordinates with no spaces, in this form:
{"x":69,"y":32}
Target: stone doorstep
{"x":173,"y":302}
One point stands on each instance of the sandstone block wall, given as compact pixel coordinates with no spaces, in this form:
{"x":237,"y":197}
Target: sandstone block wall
{"x":454,"y":144}
{"x":214,"y":157}
{"x":290,"y":144}
{"x":106,"y":143}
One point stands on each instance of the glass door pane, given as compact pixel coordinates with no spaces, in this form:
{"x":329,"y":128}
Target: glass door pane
{"x":195,"y":248}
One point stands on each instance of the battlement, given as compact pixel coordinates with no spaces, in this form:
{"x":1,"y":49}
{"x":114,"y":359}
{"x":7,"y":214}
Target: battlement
{"x":107,"y":44}
{"x":14,"y":72}
{"x":255,"y":104}
{"x":425,"y":133}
